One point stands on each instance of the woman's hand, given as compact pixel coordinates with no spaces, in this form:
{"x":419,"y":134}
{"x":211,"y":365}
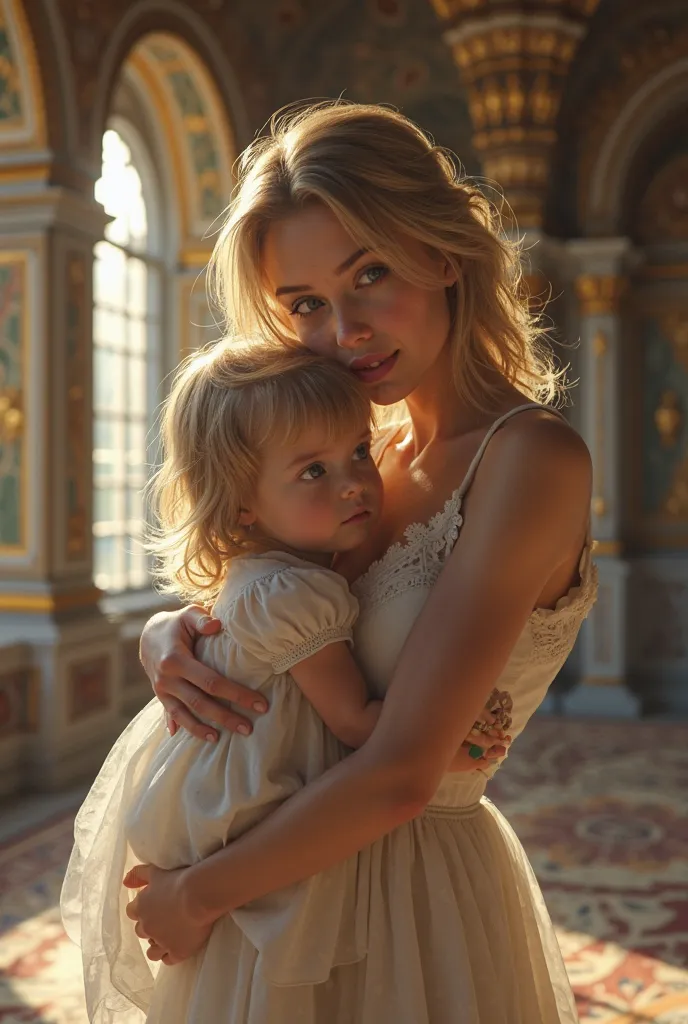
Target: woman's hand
{"x":163,"y":915}
{"x":189,"y":690}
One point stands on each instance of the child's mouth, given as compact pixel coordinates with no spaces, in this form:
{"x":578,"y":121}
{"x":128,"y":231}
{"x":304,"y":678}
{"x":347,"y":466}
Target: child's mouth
{"x":357,"y":517}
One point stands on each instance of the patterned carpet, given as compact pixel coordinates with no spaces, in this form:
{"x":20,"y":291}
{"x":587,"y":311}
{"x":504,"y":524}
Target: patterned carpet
{"x":602,"y":810}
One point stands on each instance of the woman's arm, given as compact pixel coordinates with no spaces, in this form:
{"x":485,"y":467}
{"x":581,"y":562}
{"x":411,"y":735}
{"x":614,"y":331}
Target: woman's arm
{"x":528,"y":508}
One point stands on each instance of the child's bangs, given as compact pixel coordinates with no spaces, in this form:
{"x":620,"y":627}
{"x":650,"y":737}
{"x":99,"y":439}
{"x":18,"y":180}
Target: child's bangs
{"x":323,"y":396}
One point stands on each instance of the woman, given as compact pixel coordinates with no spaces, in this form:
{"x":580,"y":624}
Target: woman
{"x":353,"y":233}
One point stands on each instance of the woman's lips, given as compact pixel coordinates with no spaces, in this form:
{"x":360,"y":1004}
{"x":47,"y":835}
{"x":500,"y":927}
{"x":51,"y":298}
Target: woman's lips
{"x":371,"y":369}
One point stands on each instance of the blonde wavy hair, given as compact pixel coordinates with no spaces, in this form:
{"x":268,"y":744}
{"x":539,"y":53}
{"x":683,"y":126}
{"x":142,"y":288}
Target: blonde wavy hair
{"x":228,"y":404}
{"x":386,"y":181}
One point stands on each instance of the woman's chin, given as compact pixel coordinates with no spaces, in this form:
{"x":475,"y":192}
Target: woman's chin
{"x":387,"y":393}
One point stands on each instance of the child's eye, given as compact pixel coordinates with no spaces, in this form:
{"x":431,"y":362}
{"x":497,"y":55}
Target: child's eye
{"x":304,"y":307}
{"x":362,"y":451}
{"x":313,"y":472}
{"x":373,"y":274}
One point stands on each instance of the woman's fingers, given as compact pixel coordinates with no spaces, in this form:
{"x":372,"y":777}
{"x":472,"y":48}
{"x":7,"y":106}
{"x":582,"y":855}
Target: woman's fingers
{"x":181,"y":666}
{"x":481,"y":751}
{"x":463,"y":762}
{"x":188,"y":703}
{"x":488,"y":738}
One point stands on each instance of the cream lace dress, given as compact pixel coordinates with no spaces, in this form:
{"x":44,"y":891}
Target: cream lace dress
{"x":449,"y":924}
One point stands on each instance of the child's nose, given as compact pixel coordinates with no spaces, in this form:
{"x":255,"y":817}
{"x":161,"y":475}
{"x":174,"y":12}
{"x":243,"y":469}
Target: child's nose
{"x":352,"y":487}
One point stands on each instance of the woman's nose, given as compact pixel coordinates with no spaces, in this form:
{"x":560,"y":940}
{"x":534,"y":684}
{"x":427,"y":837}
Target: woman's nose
{"x":351,"y":331}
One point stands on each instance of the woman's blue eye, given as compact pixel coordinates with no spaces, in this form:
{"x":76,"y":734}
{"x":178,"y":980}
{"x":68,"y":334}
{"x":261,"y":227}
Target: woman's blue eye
{"x":310,"y":303}
{"x":362,"y":451}
{"x":374,"y":274}
{"x":313,"y":472}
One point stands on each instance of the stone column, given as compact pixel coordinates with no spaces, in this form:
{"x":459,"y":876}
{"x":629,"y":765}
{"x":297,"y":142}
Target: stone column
{"x":600,"y":267}
{"x":48,"y":603}
{"x":514,"y":59}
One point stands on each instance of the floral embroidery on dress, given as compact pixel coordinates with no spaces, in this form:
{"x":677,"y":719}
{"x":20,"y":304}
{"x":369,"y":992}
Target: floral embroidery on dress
{"x":500,"y":704}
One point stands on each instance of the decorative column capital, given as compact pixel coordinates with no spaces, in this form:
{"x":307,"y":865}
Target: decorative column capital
{"x":600,"y":269}
{"x":514,"y":58}
{"x":600,"y":294}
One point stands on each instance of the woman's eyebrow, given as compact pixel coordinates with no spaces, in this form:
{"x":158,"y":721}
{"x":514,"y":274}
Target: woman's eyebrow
{"x":289,"y":289}
{"x":343,"y":267}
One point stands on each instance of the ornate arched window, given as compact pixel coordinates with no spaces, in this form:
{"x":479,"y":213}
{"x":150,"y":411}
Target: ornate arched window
{"x":166,"y":177}
{"x":128,"y":293}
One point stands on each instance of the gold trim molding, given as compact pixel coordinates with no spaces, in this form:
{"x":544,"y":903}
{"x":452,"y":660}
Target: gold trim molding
{"x":449,"y":9}
{"x":41,"y":603}
{"x":608,"y":548}
{"x":195,"y":258}
{"x":602,"y":681}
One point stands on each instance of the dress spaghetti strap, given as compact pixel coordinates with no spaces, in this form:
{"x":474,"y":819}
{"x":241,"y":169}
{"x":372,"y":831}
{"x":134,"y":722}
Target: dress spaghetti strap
{"x":468,"y":479}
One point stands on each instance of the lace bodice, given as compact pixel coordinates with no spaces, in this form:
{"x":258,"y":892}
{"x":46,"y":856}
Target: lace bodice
{"x":417,"y":560}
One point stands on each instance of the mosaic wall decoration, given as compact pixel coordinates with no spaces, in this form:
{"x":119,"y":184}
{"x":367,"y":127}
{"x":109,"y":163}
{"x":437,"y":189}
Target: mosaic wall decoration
{"x":10,"y":86}
{"x":88,"y":688}
{"x":22,"y":115}
{"x":13,"y":342}
{"x":665,"y":417}
{"x":77,"y":477}
{"x":193,"y":110}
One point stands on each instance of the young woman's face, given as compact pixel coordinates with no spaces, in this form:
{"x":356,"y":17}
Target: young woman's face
{"x":346,"y":303}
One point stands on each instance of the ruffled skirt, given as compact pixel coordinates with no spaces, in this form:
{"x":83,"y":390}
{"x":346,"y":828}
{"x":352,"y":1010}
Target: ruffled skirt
{"x":440,"y":922}
{"x":458,"y":934}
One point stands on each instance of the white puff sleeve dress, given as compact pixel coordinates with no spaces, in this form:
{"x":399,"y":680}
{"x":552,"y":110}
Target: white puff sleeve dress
{"x":172,"y":801}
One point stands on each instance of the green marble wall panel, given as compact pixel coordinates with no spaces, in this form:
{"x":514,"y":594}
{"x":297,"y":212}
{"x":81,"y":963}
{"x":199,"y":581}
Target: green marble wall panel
{"x":10,"y":88}
{"x":13,"y":343}
{"x":663,"y":408}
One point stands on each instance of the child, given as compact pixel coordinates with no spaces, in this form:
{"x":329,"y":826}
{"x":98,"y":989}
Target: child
{"x":267,"y":473}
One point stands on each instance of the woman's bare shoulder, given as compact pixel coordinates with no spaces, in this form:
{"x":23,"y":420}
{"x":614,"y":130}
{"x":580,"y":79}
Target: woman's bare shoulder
{"x":542,"y":437}
{"x":539,"y":458}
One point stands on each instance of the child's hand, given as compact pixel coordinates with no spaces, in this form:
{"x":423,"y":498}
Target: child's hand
{"x":485,"y":745}
{"x":487,"y":727}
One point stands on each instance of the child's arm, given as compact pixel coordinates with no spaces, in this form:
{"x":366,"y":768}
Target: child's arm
{"x":332,"y":682}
